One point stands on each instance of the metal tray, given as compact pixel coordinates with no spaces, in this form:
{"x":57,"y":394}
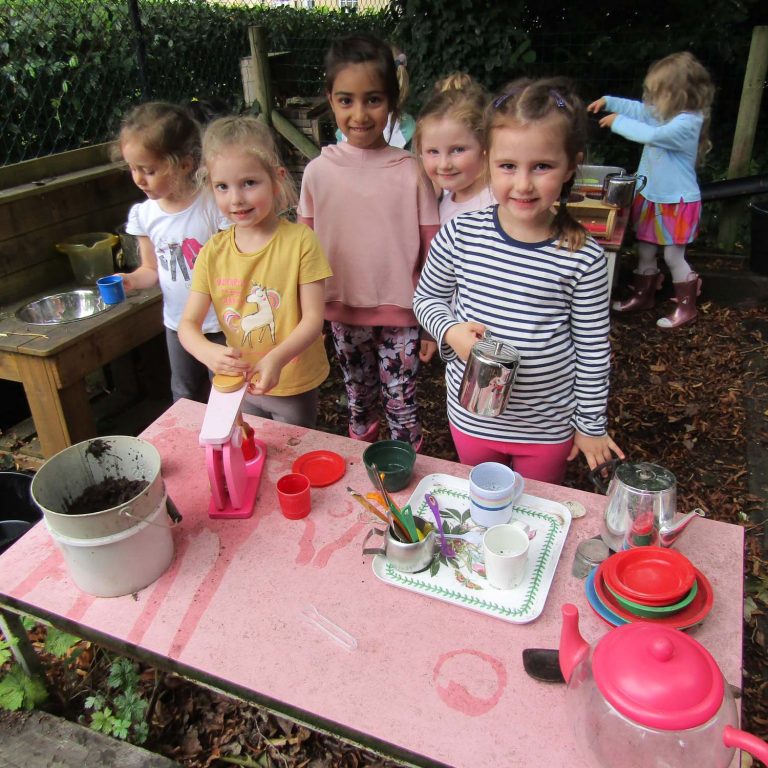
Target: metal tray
{"x":461,"y":580}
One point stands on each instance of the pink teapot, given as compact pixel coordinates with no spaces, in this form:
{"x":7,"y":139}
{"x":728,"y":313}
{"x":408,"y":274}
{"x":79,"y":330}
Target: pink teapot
{"x":649,"y":696}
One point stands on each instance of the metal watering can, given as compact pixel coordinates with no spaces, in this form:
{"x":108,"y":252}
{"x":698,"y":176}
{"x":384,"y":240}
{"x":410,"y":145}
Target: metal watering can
{"x":619,"y":188}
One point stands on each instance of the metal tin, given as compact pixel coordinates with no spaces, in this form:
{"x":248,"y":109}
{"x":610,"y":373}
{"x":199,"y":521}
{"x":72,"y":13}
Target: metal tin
{"x":488,"y":377}
{"x":589,"y":554}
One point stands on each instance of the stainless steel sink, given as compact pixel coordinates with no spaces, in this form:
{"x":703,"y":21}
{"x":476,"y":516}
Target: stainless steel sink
{"x":62,"y":307}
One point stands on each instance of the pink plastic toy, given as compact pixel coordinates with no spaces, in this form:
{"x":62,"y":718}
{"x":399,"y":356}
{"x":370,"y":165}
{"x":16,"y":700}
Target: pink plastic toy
{"x":234,"y":460}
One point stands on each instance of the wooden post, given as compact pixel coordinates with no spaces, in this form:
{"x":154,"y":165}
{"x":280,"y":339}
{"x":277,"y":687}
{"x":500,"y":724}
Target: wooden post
{"x":732,"y":212}
{"x":290,"y":132}
{"x":260,"y":71}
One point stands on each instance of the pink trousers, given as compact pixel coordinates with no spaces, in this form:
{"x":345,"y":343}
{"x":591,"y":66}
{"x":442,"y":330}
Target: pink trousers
{"x":536,"y":461}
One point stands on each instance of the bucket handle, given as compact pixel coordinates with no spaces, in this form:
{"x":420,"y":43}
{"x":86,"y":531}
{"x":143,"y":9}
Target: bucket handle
{"x":170,"y":508}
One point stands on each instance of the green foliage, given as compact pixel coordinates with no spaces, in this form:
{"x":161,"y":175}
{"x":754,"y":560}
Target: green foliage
{"x":58,"y":643}
{"x":69,"y":69}
{"x":121,"y":715}
{"x":19,"y":691}
{"x":474,"y":36}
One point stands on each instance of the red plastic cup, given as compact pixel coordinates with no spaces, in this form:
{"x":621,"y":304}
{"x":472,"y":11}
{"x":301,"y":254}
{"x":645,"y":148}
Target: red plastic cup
{"x":293,"y":495}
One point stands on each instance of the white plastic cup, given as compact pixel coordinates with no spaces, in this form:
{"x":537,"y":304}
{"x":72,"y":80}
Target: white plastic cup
{"x":493,"y":490}
{"x":506,"y":554}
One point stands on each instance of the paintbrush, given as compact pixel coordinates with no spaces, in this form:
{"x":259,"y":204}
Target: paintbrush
{"x":402,"y":523}
{"x":388,"y":519}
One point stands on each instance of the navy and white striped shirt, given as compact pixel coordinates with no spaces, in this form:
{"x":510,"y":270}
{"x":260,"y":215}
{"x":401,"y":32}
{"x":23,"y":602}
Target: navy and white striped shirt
{"x":550,"y":303}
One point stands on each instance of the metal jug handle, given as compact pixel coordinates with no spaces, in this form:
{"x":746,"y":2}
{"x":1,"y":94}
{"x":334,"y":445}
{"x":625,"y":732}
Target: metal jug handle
{"x":595,"y":475}
{"x":643,"y":181}
{"x":373,"y":550}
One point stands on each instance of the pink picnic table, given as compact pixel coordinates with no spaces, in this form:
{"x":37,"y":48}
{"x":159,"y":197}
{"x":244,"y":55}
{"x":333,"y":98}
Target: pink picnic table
{"x":429,"y":683}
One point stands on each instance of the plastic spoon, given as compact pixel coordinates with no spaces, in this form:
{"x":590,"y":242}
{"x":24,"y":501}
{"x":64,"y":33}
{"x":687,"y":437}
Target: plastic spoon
{"x":411,"y":533}
{"x":445,"y":547}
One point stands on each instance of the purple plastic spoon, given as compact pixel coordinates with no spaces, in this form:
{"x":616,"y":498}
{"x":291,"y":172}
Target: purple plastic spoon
{"x":445,"y":547}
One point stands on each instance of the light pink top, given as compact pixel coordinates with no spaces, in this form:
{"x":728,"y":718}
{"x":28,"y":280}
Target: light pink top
{"x":449,"y":208}
{"x":368,"y":209}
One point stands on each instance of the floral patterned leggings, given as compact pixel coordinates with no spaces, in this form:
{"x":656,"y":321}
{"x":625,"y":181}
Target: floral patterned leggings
{"x":380,"y":361}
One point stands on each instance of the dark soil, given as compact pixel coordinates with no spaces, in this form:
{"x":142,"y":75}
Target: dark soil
{"x":110,"y":492}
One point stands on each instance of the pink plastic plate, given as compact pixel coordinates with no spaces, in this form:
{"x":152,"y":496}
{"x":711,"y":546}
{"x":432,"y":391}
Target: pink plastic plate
{"x":321,"y":467}
{"x":649,"y":575}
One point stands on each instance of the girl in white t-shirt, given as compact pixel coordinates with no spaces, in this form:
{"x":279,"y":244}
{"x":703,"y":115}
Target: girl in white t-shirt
{"x":449,"y":142}
{"x":161,"y":144}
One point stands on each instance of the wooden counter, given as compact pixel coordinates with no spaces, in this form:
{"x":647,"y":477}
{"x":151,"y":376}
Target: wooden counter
{"x":52,"y":361}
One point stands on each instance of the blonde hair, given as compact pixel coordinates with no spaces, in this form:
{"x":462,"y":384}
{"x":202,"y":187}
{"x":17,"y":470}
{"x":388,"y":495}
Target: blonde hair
{"x":680,"y":83}
{"x":524,"y":102}
{"x":456,"y":97}
{"x":166,"y":130}
{"x":401,"y":72}
{"x":251,"y":136}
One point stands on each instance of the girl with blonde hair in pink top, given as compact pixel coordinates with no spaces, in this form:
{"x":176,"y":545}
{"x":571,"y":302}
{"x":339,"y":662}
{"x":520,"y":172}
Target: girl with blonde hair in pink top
{"x":375,"y":214}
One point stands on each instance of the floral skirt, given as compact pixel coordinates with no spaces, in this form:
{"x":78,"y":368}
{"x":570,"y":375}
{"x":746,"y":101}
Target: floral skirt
{"x":665,"y":223}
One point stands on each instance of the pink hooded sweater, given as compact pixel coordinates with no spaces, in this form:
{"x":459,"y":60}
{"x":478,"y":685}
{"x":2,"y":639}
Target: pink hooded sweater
{"x":374,"y":212}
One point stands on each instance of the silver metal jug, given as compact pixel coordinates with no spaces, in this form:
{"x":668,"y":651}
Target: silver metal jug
{"x":489,"y":375}
{"x":619,"y":188}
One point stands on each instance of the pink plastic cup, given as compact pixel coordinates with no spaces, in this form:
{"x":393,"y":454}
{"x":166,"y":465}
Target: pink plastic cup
{"x":293,"y":494}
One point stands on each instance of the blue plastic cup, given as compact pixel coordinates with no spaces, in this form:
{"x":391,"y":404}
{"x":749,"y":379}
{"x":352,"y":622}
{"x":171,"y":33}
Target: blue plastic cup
{"x":111,"y":289}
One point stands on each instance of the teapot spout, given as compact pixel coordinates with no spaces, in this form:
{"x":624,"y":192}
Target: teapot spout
{"x":573,"y":647}
{"x":669,"y":532}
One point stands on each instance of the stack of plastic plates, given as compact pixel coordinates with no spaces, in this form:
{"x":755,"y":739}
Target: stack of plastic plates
{"x":649,"y":584}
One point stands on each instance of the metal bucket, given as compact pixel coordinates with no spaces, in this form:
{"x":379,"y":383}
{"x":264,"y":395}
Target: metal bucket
{"x":65,"y":476}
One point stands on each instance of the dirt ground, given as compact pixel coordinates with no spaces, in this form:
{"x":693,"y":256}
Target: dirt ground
{"x":694,"y":400}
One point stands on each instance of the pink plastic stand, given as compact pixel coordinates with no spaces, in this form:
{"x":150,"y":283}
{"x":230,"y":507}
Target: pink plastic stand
{"x":234,"y":480}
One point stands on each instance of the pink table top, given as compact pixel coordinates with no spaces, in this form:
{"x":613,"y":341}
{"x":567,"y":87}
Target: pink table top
{"x":429,"y":682}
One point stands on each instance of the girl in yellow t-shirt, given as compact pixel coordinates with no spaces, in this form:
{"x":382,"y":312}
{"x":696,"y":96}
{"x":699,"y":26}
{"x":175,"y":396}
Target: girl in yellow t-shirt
{"x":265,"y":278}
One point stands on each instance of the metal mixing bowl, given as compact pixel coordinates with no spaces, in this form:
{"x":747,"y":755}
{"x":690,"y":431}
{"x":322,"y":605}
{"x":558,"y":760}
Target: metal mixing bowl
{"x":62,"y":307}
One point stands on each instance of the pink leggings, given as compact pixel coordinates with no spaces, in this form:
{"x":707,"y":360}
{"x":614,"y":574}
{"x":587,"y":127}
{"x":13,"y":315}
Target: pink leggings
{"x":536,"y":461}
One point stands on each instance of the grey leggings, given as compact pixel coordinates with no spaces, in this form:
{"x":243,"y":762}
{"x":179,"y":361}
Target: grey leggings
{"x":300,"y":410}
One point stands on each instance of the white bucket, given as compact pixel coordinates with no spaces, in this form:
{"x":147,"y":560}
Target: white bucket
{"x":122,"y":562}
{"x":65,"y":476}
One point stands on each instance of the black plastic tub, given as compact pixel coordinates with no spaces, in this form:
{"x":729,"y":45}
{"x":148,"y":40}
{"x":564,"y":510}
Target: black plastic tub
{"x":18,"y":511}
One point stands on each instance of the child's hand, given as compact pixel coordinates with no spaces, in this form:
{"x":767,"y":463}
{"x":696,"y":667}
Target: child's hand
{"x":597,"y":106}
{"x":607,"y":121}
{"x":427,"y":349}
{"x":596,"y":450}
{"x":463,"y":336}
{"x":226,"y":360}
{"x":266,"y":374}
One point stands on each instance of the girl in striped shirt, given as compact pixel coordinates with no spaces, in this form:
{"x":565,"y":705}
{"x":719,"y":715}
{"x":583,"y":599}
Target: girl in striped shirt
{"x":534,"y":278}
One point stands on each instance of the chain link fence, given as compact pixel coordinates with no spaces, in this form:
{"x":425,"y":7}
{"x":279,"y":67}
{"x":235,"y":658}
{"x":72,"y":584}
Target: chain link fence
{"x":69,"y":69}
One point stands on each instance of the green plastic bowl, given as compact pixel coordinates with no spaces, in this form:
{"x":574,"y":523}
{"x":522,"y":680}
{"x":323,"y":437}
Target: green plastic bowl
{"x":393,"y":458}
{"x":655,"y":611}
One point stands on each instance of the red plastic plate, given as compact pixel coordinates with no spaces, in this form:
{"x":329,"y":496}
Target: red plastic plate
{"x":688,"y":617}
{"x":650,"y":575}
{"x":321,"y":467}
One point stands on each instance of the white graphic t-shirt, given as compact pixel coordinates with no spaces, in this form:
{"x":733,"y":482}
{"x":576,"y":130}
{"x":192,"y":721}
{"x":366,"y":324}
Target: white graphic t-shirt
{"x":178,"y":238}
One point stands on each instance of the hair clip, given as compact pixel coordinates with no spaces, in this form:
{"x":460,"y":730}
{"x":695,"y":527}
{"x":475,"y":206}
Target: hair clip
{"x":401,"y":60}
{"x":559,"y":100}
{"x":501,"y":100}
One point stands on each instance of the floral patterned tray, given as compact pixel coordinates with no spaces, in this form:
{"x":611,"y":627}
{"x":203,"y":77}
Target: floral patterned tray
{"x":461,"y":580}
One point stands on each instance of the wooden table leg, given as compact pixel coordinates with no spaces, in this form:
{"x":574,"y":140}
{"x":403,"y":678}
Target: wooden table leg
{"x":62,"y":416}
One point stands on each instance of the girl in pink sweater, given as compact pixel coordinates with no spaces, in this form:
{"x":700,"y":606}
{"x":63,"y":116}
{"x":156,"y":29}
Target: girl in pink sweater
{"x":375,"y":214}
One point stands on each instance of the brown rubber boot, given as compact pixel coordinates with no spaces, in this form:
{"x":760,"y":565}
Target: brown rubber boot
{"x":685,"y":298}
{"x":643,"y":293}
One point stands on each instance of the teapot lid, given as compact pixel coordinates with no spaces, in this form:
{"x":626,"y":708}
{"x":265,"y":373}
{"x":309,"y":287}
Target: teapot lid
{"x":494,"y":352}
{"x":657,"y":676}
{"x":644,"y":476}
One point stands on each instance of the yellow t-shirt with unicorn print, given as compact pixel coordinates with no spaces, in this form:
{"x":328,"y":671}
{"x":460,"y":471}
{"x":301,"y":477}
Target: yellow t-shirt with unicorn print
{"x":256,"y":297}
